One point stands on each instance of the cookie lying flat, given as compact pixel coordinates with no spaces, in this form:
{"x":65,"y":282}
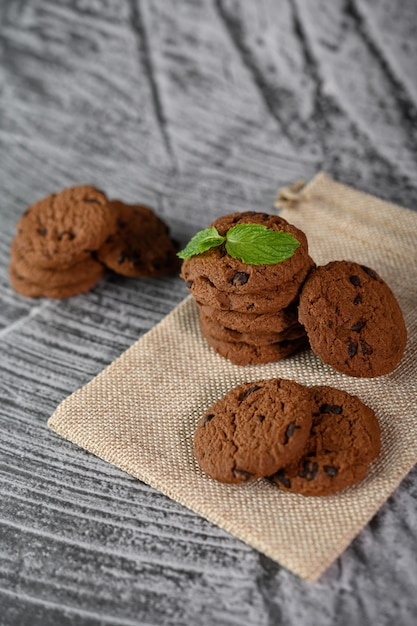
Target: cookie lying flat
{"x":344,"y":440}
{"x":33,"y":290}
{"x":222,"y":333}
{"x":140,"y":245}
{"x":353,"y":321}
{"x":250,"y":432}
{"x":64,"y":228}
{"x":269,"y":301}
{"x":251,"y":322}
{"x":241,"y":353}
{"x":232,"y":275}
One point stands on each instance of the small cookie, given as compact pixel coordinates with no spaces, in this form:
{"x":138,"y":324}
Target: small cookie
{"x":269,"y":301}
{"x":140,"y":246}
{"x":253,"y":323}
{"x":233,"y":276}
{"x":222,"y":333}
{"x":353,"y":320}
{"x":32,"y":290}
{"x":344,"y":439}
{"x":249,"y":432}
{"x":241,"y":353}
{"x":64,"y":228}
{"x":79,"y":273}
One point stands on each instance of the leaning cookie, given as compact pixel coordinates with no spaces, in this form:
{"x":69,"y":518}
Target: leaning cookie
{"x":64,"y":228}
{"x":253,"y":430}
{"x":240,"y":353}
{"x":353,"y":320}
{"x":230,"y":274}
{"x":140,"y":245}
{"x":344,"y":440}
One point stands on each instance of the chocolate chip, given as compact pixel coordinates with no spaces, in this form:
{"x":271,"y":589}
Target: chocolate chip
{"x":249,"y":391}
{"x":261,"y":418}
{"x":92,"y":200}
{"x":281,"y":478}
{"x":309,"y":471}
{"x":156,"y":264}
{"x":355,"y":280}
{"x":370,"y":272}
{"x":65,"y":234}
{"x":42,"y":231}
{"x":366,"y":348}
{"x":357,"y":327}
{"x":189,"y":283}
{"x":358,"y":299}
{"x":208,"y":418}
{"x":250,"y":307}
{"x":240,"y":278}
{"x":246,"y":475}
{"x":289,"y":431}
{"x":121,"y":223}
{"x":330,"y":470}
{"x":352,"y":348}
{"x":121,"y":258}
{"x":110,"y":239}
{"x":331,"y":408}
{"x":329,"y":323}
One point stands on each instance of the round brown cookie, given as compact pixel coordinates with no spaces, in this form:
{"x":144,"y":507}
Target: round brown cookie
{"x":140,"y":246}
{"x":32,"y":290}
{"x":268,"y":301}
{"x":252,"y":429}
{"x":232,"y":275}
{"x":344,"y":439}
{"x":50,"y":278}
{"x":241,"y":353}
{"x":353,"y":321}
{"x":65,"y":227}
{"x":251,"y":322}
{"x":222,"y":333}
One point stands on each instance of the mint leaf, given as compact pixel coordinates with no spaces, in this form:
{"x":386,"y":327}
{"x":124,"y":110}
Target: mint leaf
{"x":256,"y":244}
{"x":202,"y":241}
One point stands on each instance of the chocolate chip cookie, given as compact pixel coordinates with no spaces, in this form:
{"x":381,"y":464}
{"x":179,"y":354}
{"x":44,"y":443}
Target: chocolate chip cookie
{"x":344,"y":440}
{"x":65,"y":227}
{"x":241,"y":353}
{"x":140,"y":245}
{"x":233,"y":276}
{"x":353,"y":320}
{"x":30,"y":289}
{"x":253,"y":430}
{"x":276,"y":322}
{"x":261,"y":338}
{"x":268,"y":301}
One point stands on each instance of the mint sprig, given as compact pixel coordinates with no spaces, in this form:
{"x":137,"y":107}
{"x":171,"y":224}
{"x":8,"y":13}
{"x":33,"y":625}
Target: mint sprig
{"x":254,"y":244}
{"x":202,"y":241}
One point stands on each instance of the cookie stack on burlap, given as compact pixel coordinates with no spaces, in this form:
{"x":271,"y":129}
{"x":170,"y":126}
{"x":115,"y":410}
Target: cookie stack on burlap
{"x":65,"y":241}
{"x":248,"y":313}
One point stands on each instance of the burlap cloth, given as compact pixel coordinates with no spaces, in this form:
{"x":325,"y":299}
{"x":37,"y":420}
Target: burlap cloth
{"x":141,"y":411}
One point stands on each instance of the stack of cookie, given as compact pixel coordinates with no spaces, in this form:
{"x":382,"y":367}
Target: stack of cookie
{"x":248,"y":313}
{"x":65,"y":242}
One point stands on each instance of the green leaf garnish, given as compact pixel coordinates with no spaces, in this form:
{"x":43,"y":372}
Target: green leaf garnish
{"x":202,"y":241}
{"x":256,"y":244}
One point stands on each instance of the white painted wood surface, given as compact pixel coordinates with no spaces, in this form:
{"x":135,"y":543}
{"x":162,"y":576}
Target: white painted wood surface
{"x":197,"y":108}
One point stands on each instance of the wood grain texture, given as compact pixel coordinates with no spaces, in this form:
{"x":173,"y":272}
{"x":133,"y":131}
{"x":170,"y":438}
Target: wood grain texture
{"x":197,"y":108}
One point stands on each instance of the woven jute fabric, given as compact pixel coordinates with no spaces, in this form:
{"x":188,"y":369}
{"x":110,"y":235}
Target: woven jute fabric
{"x":140,"y":413}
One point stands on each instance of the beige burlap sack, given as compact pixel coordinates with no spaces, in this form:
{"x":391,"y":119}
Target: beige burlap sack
{"x":140,"y":412}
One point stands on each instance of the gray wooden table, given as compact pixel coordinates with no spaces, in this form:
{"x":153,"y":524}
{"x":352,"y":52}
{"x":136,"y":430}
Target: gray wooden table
{"x":197,"y":109}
